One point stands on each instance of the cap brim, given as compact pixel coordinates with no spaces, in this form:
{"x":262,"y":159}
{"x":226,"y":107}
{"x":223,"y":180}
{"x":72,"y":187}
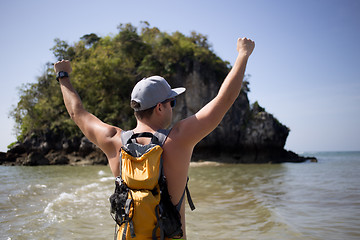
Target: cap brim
{"x":176,"y":92}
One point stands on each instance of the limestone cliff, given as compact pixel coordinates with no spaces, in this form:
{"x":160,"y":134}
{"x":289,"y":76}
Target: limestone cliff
{"x":247,"y":134}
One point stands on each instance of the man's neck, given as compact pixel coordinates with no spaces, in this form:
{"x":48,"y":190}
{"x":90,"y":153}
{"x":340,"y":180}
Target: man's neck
{"x":146,"y":126}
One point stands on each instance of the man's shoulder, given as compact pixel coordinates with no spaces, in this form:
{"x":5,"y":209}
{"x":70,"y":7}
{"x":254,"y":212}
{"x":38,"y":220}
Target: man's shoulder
{"x":114,"y":136}
{"x":178,"y":133}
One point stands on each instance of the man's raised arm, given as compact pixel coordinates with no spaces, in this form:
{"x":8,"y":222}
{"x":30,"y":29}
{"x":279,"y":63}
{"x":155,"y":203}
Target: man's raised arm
{"x":94,"y":129}
{"x":194,"y":128}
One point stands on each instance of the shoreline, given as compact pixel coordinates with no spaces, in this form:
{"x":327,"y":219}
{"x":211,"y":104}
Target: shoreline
{"x":200,"y":158}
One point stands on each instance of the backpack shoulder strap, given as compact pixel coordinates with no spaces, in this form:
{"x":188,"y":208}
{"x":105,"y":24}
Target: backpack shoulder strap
{"x":162,"y":135}
{"x":125,"y":136}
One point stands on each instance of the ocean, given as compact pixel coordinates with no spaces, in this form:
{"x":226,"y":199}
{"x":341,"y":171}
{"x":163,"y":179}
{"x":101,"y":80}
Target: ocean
{"x":266,"y":201}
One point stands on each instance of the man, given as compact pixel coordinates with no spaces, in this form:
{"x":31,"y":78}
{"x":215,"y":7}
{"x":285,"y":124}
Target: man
{"x":154,"y":114}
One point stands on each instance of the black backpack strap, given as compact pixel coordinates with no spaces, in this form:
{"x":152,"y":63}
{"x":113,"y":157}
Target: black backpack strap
{"x":158,"y":225}
{"x":154,"y":139}
{"x":158,"y":137}
{"x":128,"y":220}
{"x":190,"y":201}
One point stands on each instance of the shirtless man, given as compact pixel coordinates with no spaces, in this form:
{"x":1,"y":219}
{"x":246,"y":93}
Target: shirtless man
{"x":184,"y":135}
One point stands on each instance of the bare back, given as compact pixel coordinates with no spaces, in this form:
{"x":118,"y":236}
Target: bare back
{"x":176,"y":165}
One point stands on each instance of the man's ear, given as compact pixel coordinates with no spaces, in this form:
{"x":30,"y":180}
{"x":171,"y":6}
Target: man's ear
{"x":158,"y":108}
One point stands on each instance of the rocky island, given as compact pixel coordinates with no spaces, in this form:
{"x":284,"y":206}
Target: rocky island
{"x":106,"y":69}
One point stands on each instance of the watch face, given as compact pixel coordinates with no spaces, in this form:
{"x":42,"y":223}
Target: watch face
{"x":62,"y":74}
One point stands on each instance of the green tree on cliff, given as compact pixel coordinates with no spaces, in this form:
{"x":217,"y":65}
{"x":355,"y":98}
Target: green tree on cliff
{"x":104,"y":71}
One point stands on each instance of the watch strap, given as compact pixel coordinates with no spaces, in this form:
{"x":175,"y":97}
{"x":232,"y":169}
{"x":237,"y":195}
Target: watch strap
{"x":61,"y":74}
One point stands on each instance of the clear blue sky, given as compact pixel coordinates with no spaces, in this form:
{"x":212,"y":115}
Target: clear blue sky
{"x":305,"y":68}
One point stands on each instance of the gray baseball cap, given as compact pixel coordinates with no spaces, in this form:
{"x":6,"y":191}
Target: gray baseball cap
{"x":153,"y":90}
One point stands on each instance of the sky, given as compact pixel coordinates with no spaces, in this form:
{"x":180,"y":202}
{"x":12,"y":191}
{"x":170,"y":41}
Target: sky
{"x":305,"y":69}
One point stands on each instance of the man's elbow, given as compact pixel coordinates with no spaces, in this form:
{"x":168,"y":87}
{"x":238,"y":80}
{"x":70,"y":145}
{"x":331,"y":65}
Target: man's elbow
{"x":75,"y":114}
{"x":227,"y":100}
{"x":72,"y":115}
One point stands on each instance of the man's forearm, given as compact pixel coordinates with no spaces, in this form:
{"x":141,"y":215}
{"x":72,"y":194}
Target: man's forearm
{"x":72,"y":100}
{"x":230,"y":89}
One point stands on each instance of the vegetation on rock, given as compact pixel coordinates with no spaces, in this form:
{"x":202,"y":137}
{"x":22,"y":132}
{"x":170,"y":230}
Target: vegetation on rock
{"x":105,"y":69}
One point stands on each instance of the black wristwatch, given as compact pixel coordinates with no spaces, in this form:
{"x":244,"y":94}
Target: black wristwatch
{"x":61,"y":75}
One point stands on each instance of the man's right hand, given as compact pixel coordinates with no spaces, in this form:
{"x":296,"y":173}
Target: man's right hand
{"x":63,"y":65}
{"x":245,"y":46}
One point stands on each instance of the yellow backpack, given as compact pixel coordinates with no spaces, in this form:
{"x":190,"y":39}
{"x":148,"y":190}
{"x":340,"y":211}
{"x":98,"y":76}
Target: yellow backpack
{"x":141,"y":205}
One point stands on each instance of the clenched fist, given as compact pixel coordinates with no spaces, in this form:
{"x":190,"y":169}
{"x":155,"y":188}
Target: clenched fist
{"x":245,"y":46}
{"x":63,"y":65}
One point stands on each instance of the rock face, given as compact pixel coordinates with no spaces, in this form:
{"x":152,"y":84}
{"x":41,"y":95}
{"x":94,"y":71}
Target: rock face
{"x":245,"y":135}
{"x":52,"y":149}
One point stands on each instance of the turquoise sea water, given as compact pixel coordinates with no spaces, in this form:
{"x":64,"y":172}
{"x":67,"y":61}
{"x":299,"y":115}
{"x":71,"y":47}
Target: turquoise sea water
{"x":283,"y":201}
